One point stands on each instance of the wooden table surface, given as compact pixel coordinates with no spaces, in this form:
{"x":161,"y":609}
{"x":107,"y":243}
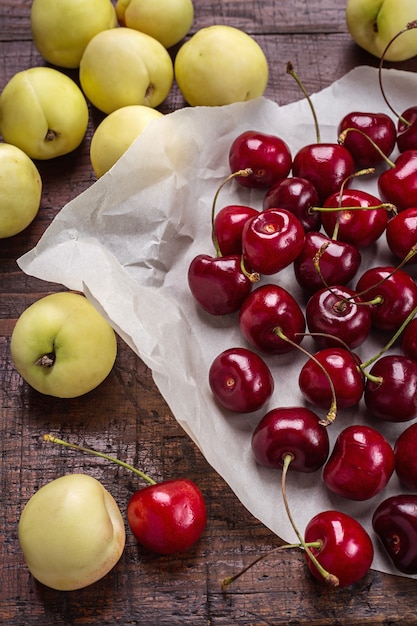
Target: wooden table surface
{"x":127,"y":416}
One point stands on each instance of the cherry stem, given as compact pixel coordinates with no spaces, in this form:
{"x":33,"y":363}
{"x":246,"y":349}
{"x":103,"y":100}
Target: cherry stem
{"x":52,"y":439}
{"x":331,"y":414}
{"x":408,"y":27}
{"x":345,"y":132}
{"x":387,"y":206}
{"x":252,"y":276}
{"x":331,"y":579}
{"x":245,"y":172}
{"x":292,"y":72}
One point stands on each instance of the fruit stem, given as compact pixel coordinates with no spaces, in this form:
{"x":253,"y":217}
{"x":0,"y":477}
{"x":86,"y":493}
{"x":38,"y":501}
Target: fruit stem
{"x":331,"y":579}
{"x":292,"y":72}
{"x":331,"y":414}
{"x":52,"y":439}
{"x":408,"y":27}
{"x":345,"y":132}
{"x":253,"y":276}
{"x":245,"y":172}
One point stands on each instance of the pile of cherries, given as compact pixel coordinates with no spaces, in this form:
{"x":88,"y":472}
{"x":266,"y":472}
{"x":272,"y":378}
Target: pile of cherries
{"x":312,"y":220}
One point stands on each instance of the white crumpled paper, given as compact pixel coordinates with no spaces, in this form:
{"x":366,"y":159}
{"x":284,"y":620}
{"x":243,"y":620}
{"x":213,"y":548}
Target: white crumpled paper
{"x":127,"y":242}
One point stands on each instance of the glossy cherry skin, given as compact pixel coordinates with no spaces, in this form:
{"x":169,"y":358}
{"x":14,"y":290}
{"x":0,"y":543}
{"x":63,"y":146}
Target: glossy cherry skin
{"x":342,"y":367}
{"x":360,"y":228}
{"x":291,"y":430}
{"x":401,"y":233}
{"x":395,"y":523}
{"x":379,"y":127}
{"x":346,"y":551}
{"x":406,"y":458}
{"x":398,"y":292}
{"x":268,"y":156}
{"x":228,"y":225}
{"x":409,"y":340}
{"x":272,"y":240}
{"x":218,"y":283}
{"x":407,"y":133}
{"x":240,"y":380}
{"x":398,"y":184}
{"x":168,"y":517}
{"x":394,"y":398}
{"x":360,"y":464}
{"x":338,"y":263}
{"x":325,"y":165}
{"x":267,"y":308}
{"x":337,"y":315}
{"x":297,"y":195}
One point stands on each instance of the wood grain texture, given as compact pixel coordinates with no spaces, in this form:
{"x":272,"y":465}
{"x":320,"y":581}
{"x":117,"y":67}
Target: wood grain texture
{"x":127,"y":417}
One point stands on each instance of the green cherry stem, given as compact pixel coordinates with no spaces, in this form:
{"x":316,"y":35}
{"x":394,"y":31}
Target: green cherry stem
{"x":52,"y":439}
{"x":292,"y":72}
{"x":344,"y":133}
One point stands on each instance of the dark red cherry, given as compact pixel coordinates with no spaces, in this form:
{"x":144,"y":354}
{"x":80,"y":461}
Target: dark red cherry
{"x":379,"y":127}
{"x":218,"y":283}
{"x":337,"y":315}
{"x":297,"y":195}
{"x":240,"y":380}
{"x":346,"y":549}
{"x":342,"y":366}
{"x":272,"y":240}
{"x":401,"y":233}
{"x":397,"y":292}
{"x":338,"y":263}
{"x":358,"y":227}
{"x":291,"y":430}
{"x":407,"y":133}
{"x":395,"y":523}
{"x":267,"y":309}
{"x":268,"y":156}
{"x":392,"y":396}
{"x":360,"y":464}
{"x":325,"y":165}
{"x":409,"y":340}
{"x":398,"y":183}
{"x":228,"y":225}
{"x":406,"y":458}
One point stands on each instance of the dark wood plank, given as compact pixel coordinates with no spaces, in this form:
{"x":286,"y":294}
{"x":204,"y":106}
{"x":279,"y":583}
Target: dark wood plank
{"x":128,"y":418}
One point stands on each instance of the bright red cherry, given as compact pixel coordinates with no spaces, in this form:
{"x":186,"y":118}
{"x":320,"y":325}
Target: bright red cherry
{"x":360,"y":464}
{"x":167,"y":517}
{"x":391,"y":393}
{"x":240,"y":380}
{"x":405,"y":457}
{"x":395,"y":523}
{"x":346,"y":550}
{"x":398,"y":183}
{"x":272,"y":240}
{"x":228,"y":225}
{"x":297,"y":195}
{"x":267,"y":310}
{"x":268,"y":156}
{"x":379,"y":127}
{"x":291,"y":430}
{"x":401,"y":233}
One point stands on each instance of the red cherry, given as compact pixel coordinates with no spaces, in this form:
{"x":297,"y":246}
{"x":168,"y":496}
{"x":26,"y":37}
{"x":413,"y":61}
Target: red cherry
{"x":240,"y":380}
{"x":167,"y":517}
{"x":297,"y":195}
{"x":268,"y":156}
{"x":401,"y":233}
{"x":272,"y":240}
{"x":405,"y":457}
{"x":398,"y":184}
{"x":395,"y":523}
{"x":409,"y":340}
{"x":338,"y":263}
{"x":358,"y":227}
{"x":336,"y":313}
{"x":342,"y":367}
{"x":397,"y":291}
{"x":378,"y":126}
{"x":218,"y":283}
{"x":391,"y":393}
{"x":267,"y":309}
{"x":291,"y":430}
{"x":407,"y":132}
{"x":228,"y":225}
{"x":359,"y":452}
{"x":346,"y":549}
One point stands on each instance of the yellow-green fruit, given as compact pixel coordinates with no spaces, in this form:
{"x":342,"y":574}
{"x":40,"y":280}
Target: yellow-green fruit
{"x":220,"y":65}
{"x":116,"y":133}
{"x":20,"y":190}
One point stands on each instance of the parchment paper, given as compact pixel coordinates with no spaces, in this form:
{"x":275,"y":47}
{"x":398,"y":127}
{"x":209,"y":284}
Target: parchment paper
{"x":127,"y":242}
